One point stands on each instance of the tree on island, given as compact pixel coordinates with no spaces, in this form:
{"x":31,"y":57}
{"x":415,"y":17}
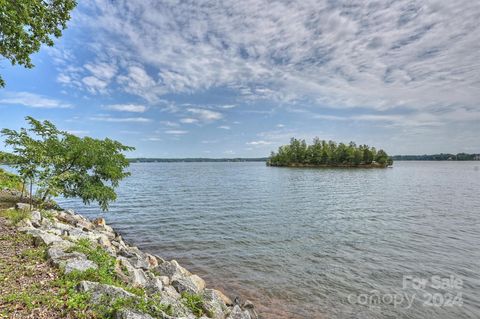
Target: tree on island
{"x":323,"y":153}
{"x":60,"y":163}
{"x":27,"y":24}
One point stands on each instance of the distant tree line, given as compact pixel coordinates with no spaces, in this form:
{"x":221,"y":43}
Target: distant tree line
{"x":438,"y":157}
{"x":195,"y":159}
{"x":328,"y":153}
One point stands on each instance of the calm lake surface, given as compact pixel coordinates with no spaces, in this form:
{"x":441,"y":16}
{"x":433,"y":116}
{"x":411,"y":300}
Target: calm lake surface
{"x":313,"y":243}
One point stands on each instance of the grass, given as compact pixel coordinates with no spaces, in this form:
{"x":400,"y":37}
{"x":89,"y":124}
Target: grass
{"x":195,"y":303}
{"x":28,"y":283}
{"x":152,"y":306}
{"x":106,"y":274}
{"x":62,"y":295}
{"x":15,"y":215}
{"x":59,"y":295}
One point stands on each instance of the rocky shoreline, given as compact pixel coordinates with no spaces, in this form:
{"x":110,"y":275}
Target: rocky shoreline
{"x":164,"y":282}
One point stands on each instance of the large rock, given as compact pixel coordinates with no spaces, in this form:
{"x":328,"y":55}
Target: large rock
{"x":213,"y":304}
{"x":238,"y":313}
{"x":79,"y":264}
{"x":199,"y":282}
{"x":67,"y":217}
{"x":107,"y":245}
{"x":171,"y":269}
{"x":22,"y":206}
{"x":25,"y":225}
{"x":101,"y":292}
{"x":84,"y":225}
{"x":222,"y":296}
{"x":191,"y":284}
{"x":139,"y":261}
{"x":152,"y":261}
{"x":130,"y":314}
{"x":42,"y":237}
{"x":171,"y":297}
{"x":36,"y":218}
{"x":154,"y":284}
{"x":136,"y":277}
{"x":58,"y":257}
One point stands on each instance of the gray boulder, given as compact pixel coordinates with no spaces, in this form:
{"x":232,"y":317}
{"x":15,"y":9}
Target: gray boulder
{"x":36,"y":218}
{"x":213,"y":304}
{"x":238,"y":313}
{"x":185,"y":285}
{"x":130,"y":314}
{"x":192,"y":284}
{"x":154,"y":284}
{"x":58,"y":257}
{"x":101,"y":293}
{"x":171,"y":269}
{"x":79,"y":264}
{"x":22,"y":206}
{"x":136,"y":277}
{"x":42,"y":237}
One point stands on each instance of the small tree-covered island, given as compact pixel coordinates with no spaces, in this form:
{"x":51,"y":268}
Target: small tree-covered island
{"x":323,"y":153}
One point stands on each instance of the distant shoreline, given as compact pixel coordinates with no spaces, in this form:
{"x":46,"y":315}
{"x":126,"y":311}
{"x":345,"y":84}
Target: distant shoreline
{"x":200,"y":159}
{"x":298,"y":165}
{"x":460,"y":157}
{"x":423,"y":158}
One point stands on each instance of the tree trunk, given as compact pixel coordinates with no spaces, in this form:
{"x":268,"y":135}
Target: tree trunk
{"x":45,"y":195}
{"x":23,"y":190}
{"x":31,"y":191}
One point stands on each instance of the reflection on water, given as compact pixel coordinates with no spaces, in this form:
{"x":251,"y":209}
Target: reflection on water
{"x":299,"y":242}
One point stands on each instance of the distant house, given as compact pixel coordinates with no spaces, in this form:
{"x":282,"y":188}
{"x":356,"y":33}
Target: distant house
{"x":476,"y":157}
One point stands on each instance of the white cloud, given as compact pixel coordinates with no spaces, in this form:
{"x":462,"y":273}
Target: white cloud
{"x":205,"y":115}
{"x":188,"y":120}
{"x":137,"y":81}
{"x":64,"y":79}
{"x":121,"y":119}
{"x":134,"y":108}
{"x":169,"y":123}
{"x":94,"y":84}
{"x":256,"y":143}
{"x":32,"y":100}
{"x":152,"y":139}
{"x":102,"y":70}
{"x":224,"y":127}
{"x":227,"y":106}
{"x":379,"y":55}
{"x":176,"y":132}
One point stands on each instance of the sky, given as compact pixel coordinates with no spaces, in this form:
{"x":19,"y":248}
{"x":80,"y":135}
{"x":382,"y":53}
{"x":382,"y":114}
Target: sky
{"x":239,"y":78}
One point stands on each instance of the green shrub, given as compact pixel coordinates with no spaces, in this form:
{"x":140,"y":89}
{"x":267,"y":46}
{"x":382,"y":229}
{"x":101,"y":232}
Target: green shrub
{"x":10,"y":181}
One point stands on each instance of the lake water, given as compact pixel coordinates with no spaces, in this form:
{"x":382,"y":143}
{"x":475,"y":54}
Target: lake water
{"x":313,"y":243}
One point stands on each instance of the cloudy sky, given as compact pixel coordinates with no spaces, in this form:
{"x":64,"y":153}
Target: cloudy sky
{"x":239,"y":78}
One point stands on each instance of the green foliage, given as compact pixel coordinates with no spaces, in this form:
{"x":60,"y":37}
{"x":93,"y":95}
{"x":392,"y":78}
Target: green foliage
{"x":27,"y":24}
{"x":10,"y":181}
{"x":194,"y":302}
{"x":438,"y":157}
{"x":323,"y":153}
{"x":105,"y":273}
{"x":15,"y":215}
{"x":152,"y":306}
{"x":64,"y":164}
